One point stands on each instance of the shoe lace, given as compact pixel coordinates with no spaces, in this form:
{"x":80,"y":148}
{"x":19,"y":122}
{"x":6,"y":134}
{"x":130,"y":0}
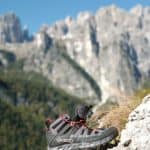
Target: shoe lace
{"x":72,"y":123}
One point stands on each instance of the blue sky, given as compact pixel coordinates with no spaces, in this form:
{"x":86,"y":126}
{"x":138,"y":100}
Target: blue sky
{"x":34,"y":13}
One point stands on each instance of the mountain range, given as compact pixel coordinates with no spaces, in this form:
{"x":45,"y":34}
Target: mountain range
{"x":97,"y":57}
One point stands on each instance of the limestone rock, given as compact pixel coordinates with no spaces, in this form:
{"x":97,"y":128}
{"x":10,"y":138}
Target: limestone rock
{"x":42,"y":40}
{"x":55,"y":66}
{"x":11,"y":30}
{"x":136,"y":135}
{"x":111,"y":46}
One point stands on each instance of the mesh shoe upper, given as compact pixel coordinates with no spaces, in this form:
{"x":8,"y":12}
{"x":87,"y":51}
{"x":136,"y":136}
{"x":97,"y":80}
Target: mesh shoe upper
{"x":65,"y":131}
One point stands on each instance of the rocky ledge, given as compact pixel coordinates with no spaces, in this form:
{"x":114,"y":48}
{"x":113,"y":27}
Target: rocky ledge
{"x":136,"y":135}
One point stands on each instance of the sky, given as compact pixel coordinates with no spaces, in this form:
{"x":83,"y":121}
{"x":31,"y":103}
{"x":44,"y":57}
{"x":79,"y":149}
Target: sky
{"x":34,"y":13}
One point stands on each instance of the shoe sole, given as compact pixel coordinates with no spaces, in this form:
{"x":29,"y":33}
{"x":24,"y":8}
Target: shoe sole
{"x":106,"y":137}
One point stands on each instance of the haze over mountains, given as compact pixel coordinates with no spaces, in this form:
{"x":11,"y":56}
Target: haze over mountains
{"x":98,"y":56}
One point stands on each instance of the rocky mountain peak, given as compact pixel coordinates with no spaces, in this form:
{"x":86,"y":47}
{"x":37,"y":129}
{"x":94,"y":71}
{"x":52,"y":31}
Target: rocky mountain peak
{"x":138,"y":10}
{"x":11,"y":30}
{"x":84,"y":17}
{"x":111,"y":36}
{"x":43,"y":41}
{"x":111,"y":48}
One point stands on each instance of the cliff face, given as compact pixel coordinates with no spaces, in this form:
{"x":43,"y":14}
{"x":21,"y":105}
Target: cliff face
{"x":106,"y":54}
{"x":64,"y":72}
{"x":11,"y":30}
{"x":136,"y":135}
{"x":112,"y":46}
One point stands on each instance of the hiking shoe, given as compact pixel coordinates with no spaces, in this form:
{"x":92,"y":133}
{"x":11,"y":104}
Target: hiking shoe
{"x":64,"y":134}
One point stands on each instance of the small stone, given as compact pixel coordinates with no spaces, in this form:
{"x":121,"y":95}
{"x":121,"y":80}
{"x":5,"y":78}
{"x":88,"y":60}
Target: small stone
{"x":127,"y":143}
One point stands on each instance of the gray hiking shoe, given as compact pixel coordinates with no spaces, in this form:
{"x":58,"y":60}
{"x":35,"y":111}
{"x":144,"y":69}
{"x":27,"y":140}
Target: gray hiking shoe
{"x":64,"y":134}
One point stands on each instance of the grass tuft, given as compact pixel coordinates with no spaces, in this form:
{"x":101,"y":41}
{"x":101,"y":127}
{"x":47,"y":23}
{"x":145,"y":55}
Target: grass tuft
{"x":117,"y":115}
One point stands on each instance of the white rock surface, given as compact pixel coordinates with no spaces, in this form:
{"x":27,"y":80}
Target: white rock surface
{"x":112,"y":46}
{"x":11,"y":30}
{"x":136,"y":135}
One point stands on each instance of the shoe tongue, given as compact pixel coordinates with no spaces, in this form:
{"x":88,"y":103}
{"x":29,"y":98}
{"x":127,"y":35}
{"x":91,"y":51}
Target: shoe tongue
{"x":82,"y":111}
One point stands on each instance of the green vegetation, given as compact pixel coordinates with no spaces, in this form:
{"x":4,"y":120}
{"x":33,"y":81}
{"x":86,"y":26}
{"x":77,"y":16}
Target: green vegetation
{"x":117,"y":115}
{"x":146,"y":83}
{"x":33,"y":89}
{"x":20,"y":129}
{"x":26,"y":100}
{"x":9,"y":55}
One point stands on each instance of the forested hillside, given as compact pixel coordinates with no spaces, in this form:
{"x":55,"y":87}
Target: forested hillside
{"x":26,"y":100}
